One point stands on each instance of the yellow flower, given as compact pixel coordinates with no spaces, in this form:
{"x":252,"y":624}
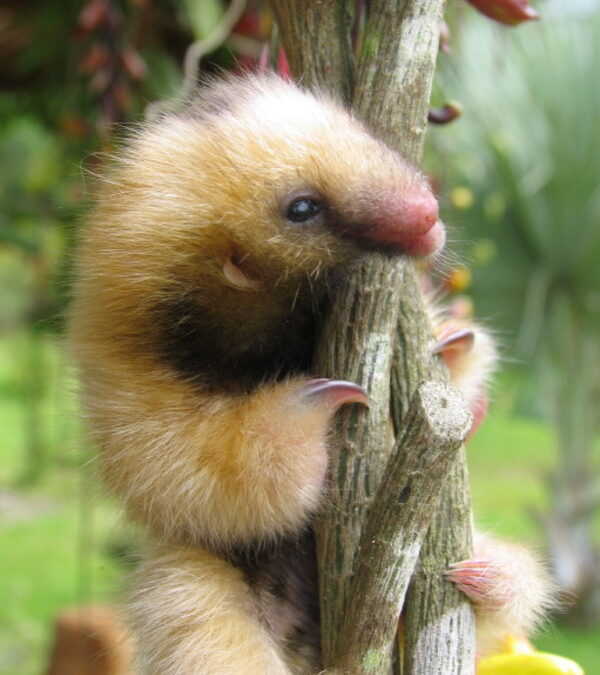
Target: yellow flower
{"x":520,"y":658}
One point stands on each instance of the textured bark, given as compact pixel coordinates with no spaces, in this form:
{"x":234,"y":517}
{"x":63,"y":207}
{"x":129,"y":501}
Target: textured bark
{"x":438,"y":621}
{"x":358,"y":343}
{"x":434,"y":428}
{"x":378,"y":335}
{"x":316,"y":36}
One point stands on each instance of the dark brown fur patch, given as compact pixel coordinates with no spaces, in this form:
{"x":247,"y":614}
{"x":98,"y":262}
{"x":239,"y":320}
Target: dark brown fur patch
{"x":284,"y":577}
{"x":197,"y":349}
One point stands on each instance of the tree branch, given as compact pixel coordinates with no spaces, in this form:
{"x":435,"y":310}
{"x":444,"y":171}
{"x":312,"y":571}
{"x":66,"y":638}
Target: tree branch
{"x":358,"y":456}
{"x":395,"y":71}
{"x":316,"y":37}
{"x":438,"y":621}
{"x":379,"y":306}
{"x":434,"y":428}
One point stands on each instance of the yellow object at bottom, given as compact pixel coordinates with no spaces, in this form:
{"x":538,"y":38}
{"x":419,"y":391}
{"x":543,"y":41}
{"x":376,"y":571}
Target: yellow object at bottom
{"x":535,"y":663}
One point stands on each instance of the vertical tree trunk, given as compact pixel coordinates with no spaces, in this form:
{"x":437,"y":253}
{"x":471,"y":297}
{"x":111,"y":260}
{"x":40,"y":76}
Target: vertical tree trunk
{"x":573,"y":388}
{"x":380,"y":306}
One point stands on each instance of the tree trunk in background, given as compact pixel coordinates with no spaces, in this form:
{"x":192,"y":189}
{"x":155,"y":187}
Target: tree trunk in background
{"x":380,"y":307}
{"x":574,"y":390}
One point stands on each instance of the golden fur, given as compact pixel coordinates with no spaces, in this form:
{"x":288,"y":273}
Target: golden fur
{"x":192,"y":325}
{"x":195,"y":613}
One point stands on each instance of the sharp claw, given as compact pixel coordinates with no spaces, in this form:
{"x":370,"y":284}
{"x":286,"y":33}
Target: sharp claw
{"x":472,"y":569}
{"x":458,"y":341}
{"x":478,"y":579}
{"x":476,"y":563}
{"x":333,"y":393}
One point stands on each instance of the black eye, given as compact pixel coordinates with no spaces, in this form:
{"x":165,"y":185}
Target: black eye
{"x":303,"y":209}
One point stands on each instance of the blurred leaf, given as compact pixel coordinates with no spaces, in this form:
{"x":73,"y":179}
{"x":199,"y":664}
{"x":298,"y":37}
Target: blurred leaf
{"x":31,"y":157}
{"x":529,"y":139}
{"x":164,"y":74}
{"x":203,"y":16}
{"x":531,"y":133}
{"x":93,"y":14}
{"x":133,"y":63}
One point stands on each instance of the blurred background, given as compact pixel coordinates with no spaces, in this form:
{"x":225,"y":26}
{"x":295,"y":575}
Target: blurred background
{"x":518,"y":174}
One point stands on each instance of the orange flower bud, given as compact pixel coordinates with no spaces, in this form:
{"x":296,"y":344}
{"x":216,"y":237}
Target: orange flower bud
{"x":93,"y":14}
{"x":457,"y":279}
{"x":447,"y":113}
{"x":96,"y":58}
{"x":510,"y":12}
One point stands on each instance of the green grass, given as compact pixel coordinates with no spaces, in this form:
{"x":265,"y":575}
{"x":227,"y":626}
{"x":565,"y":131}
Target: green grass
{"x":58,"y":533}
{"x":47,"y":566}
{"x":508,"y":460}
{"x":55,"y":527}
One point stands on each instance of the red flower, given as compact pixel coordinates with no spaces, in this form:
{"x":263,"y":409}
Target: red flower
{"x":511,"y":12}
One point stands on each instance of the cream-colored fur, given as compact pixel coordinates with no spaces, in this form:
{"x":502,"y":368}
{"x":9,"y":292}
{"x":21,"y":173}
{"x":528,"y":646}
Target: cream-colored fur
{"x":218,"y":470}
{"x":190,"y":226}
{"x":511,"y":589}
{"x":195,"y":614}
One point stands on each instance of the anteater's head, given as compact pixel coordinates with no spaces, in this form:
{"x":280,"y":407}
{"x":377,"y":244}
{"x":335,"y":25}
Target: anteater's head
{"x":216,"y":224}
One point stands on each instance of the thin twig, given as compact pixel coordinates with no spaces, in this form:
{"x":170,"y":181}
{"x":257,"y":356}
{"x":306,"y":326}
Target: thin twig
{"x":191,"y":61}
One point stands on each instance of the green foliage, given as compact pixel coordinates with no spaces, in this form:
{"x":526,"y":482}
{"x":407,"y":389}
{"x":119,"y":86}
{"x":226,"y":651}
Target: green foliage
{"x":528,"y":150}
{"x":38,"y":71}
{"x":508,"y":460}
{"x":40,"y":200}
{"x":530,"y":134}
{"x":527,"y":147}
{"x":56,"y":537}
{"x":38,"y":418}
{"x":44,"y":570}
{"x":202,"y":17}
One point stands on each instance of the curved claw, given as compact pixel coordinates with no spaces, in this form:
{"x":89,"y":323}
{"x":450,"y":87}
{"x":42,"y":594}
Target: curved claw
{"x":460,"y":341}
{"x":478,"y":580}
{"x":332,"y":393}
